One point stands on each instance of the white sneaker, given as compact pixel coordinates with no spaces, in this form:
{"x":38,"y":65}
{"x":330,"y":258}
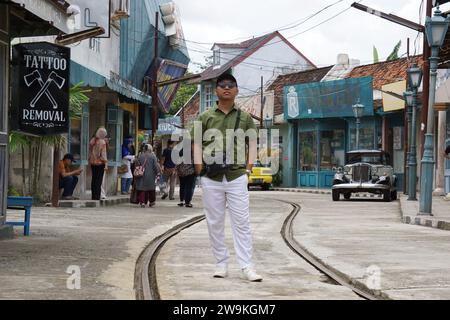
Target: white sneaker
{"x":221,"y":272}
{"x":251,"y":275}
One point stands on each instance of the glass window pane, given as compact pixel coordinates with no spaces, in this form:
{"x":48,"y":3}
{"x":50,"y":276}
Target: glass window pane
{"x":111,"y":128}
{"x":332,"y":150}
{"x":366,"y":139}
{"x":308,"y":151}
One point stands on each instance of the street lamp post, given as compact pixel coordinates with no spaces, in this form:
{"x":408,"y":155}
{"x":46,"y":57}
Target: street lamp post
{"x":408,"y":99}
{"x":415,"y":79}
{"x":435,"y":29}
{"x":358,"y":110}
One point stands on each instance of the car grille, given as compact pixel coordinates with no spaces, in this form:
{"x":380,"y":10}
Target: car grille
{"x":361,"y":173}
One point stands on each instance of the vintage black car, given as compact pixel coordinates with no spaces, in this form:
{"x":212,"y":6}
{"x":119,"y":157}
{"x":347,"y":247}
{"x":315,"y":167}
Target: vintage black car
{"x":366,"y":171}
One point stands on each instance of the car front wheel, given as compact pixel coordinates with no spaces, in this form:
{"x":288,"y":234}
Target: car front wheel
{"x":387,"y":196}
{"x":336,"y":195}
{"x":394,"y":195}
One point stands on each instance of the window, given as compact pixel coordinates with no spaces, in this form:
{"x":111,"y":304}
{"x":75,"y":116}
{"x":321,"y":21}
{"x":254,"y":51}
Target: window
{"x":114,"y":125}
{"x":332,"y":150}
{"x":308,"y":151}
{"x":216,"y":57}
{"x":366,"y":138}
{"x":208,"y":97}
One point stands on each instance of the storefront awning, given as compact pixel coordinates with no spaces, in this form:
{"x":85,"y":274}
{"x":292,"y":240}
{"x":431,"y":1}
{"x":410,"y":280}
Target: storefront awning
{"x":129,"y":91}
{"x":89,"y":78}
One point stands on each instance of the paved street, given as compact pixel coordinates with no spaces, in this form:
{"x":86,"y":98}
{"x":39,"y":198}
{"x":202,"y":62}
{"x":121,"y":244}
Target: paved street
{"x":356,"y":238}
{"x":186,"y":264}
{"x":104,"y":242}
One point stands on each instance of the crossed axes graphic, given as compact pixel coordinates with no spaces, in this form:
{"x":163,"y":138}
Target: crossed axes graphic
{"x":36,"y":76}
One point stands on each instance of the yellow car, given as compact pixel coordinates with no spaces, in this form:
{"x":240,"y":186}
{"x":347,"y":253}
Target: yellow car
{"x":260,"y":176}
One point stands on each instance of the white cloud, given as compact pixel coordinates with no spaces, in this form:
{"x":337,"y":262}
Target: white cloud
{"x":353,"y":32}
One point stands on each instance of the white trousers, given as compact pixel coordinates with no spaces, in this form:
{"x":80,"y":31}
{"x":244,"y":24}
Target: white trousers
{"x":216,"y":195}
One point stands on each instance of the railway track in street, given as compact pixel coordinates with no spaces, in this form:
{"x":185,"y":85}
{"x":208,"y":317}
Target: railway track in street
{"x":146,"y":285}
{"x":288,"y":236}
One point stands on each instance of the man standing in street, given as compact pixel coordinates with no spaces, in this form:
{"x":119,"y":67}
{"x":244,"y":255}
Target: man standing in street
{"x":227,"y":185}
{"x":68,"y":178}
{"x":168,"y":170}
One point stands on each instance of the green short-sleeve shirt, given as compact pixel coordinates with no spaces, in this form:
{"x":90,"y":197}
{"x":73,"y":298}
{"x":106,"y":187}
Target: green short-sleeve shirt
{"x":215,"y":118}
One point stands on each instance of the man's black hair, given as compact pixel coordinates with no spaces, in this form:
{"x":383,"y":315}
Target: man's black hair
{"x":226,"y":77}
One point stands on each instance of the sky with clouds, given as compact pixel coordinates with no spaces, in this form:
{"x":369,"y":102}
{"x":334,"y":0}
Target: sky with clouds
{"x":353,"y":32}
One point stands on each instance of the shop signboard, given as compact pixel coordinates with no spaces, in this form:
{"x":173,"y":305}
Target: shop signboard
{"x":169,"y":126}
{"x":328,"y":99}
{"x":71,"y":16}
{"x":40,"y":86}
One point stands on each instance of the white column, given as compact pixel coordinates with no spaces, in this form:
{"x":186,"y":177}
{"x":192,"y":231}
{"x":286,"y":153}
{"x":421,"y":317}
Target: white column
{"x":440,"y":161}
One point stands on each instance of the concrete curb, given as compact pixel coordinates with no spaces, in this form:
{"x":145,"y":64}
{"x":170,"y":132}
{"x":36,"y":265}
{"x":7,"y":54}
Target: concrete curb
{"x":93,"y":203}
{"x":6,"y":232}
{"x":423,"y":221}
{"x":356,"y":195}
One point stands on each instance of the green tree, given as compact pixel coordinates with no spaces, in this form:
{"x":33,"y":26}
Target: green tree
{"x":394,"y":53}
{"x":375,"y":55}
{"x":392,"y":56}
{"x":184,"y":93}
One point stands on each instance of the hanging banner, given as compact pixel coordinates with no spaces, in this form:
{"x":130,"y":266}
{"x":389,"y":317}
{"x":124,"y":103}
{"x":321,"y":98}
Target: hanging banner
{"x":168,"y":70}
{"x":328,"y":99}
{"x":40,"y":84}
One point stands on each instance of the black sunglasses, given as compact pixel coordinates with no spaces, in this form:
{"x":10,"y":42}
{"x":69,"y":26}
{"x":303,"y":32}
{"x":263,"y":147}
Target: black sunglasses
{"x":225,"y":85}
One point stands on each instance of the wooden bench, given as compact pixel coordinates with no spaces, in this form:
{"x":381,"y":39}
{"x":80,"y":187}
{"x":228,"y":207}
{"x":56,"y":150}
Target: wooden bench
{"x":21,"y":203}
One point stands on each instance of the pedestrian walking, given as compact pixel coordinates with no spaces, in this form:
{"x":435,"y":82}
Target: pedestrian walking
{"x":168,"y":170}
{"x":98,"y":160}
{"x":226,"y":185}
{"x":147,"y":165}
{"x":125,"y":170}
{"x":186,"y":173}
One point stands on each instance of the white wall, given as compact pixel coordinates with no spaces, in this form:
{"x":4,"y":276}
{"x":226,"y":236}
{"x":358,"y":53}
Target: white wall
{"x":267,"y":62}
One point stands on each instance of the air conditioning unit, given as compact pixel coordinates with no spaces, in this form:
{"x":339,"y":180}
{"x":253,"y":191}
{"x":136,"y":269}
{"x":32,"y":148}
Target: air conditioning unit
{"x":122,"y":11}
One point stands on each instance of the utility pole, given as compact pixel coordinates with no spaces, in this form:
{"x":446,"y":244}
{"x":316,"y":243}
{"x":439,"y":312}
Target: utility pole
{"x":154,"y":82}
{"x":262,"y":103}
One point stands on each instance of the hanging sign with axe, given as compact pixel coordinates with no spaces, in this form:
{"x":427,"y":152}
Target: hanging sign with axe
{"x":40,"y":99}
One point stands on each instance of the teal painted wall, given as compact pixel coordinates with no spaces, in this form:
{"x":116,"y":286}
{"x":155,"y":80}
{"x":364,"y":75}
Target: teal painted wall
{"x":137,"y":42}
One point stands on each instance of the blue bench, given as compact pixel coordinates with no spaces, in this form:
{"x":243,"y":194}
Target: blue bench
{"x":21,"y":203}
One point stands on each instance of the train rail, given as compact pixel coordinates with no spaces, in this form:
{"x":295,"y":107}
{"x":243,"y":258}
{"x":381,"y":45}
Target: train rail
{"x":146,"y":284}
